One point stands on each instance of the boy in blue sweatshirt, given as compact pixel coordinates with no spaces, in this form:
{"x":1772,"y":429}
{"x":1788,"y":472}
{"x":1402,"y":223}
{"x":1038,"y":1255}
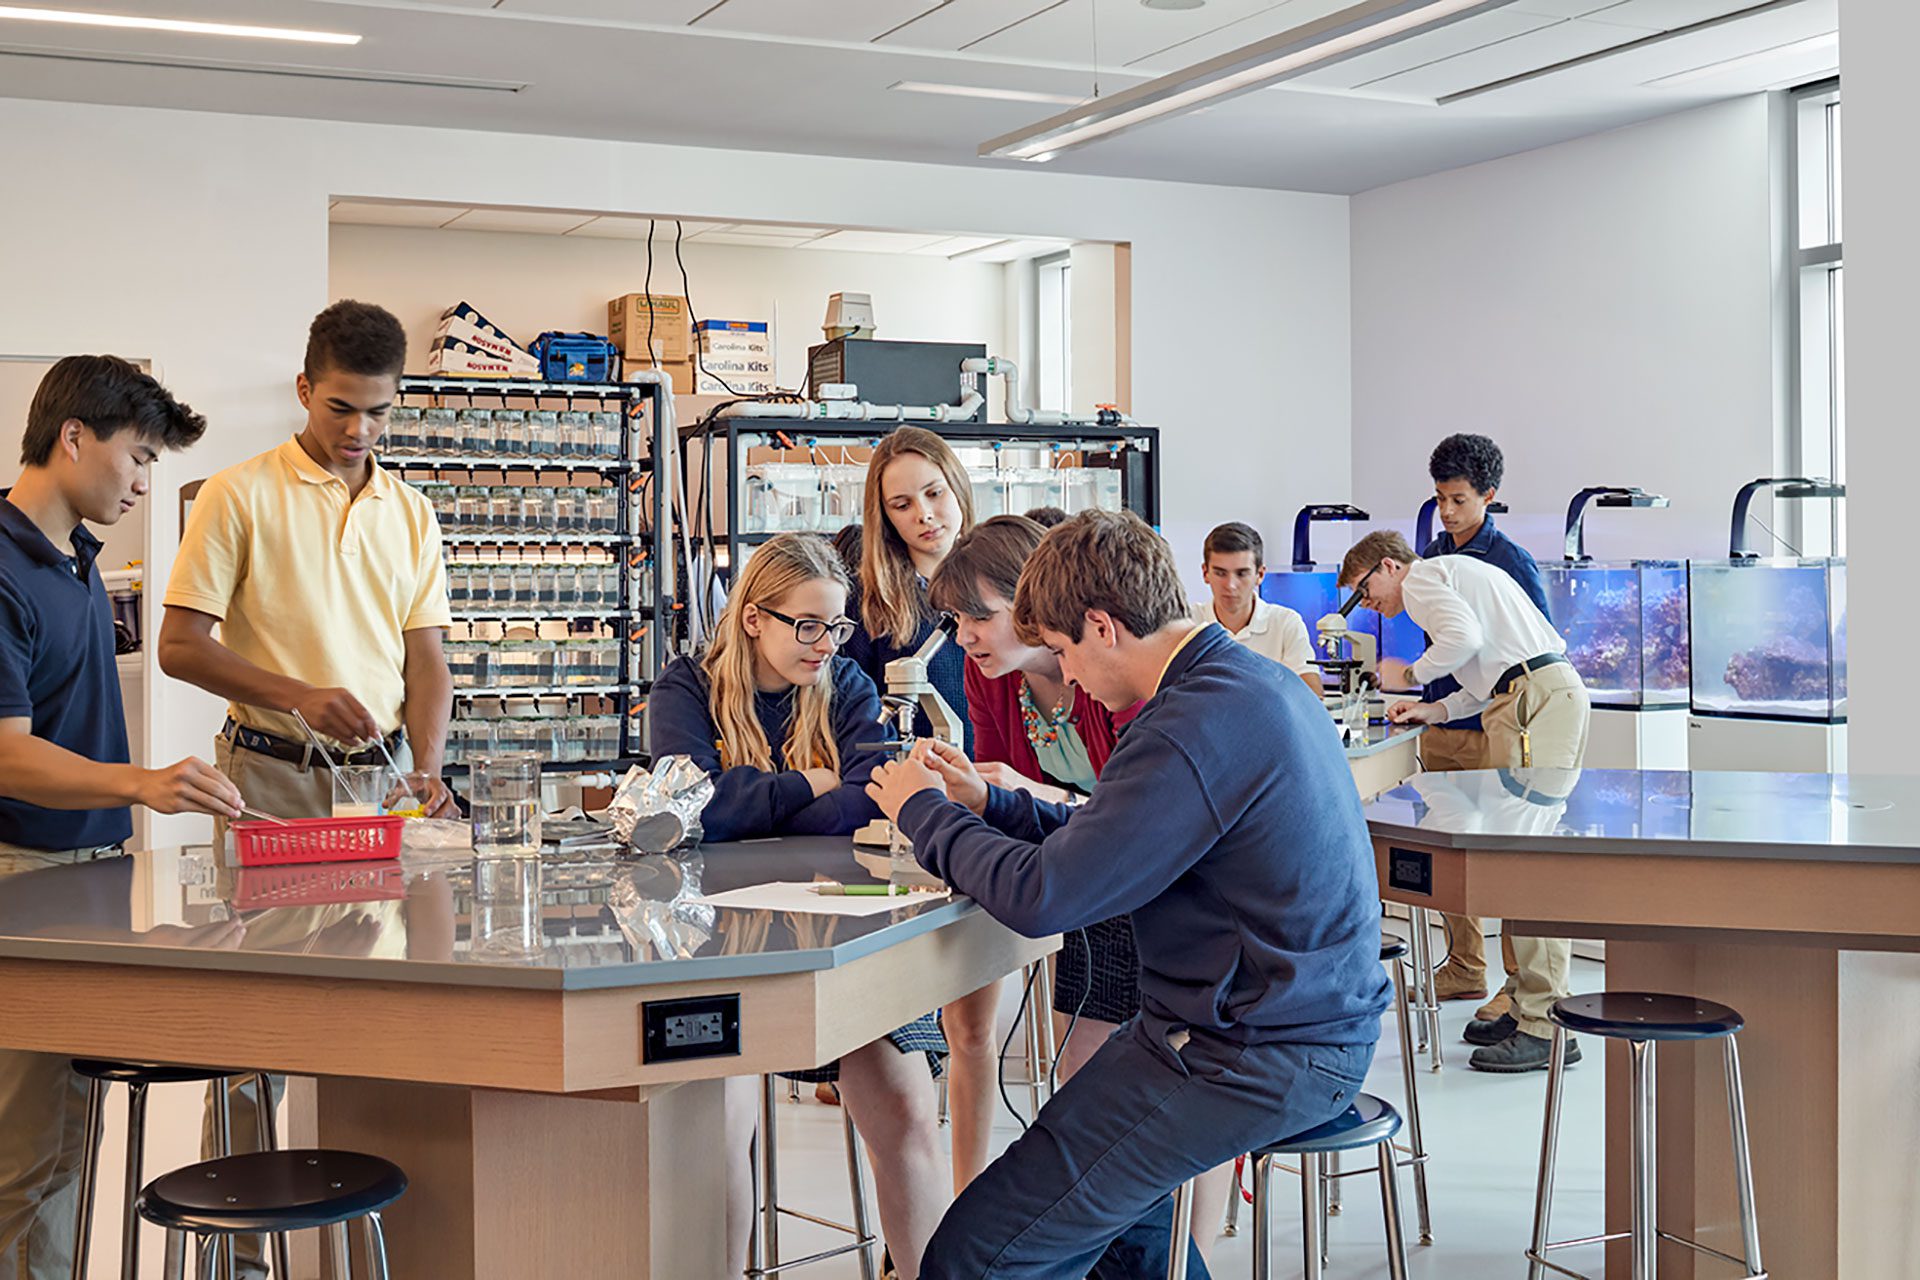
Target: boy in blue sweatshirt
{"x":1227,"y":823}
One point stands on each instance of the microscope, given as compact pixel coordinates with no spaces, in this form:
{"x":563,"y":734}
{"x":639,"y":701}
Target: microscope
{"x":1353,"y":658}
{"x":909,"y":691}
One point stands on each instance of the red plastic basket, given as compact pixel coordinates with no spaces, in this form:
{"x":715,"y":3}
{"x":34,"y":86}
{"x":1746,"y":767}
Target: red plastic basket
{"x":307,"y":886}
{"x":269,"y":844}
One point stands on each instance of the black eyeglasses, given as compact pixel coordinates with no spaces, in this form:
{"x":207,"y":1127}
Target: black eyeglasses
{"x":809,"y":630}
{"x":1359,"y":595}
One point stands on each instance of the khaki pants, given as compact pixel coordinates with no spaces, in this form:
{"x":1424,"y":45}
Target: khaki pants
{"x":1551,"y":706}
{"x":1444,"y":750}
{"x":43,"y":1133}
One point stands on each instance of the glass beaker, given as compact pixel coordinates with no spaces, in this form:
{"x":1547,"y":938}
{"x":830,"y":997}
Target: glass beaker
{"x":360,"y":790}
{"x":506,"y":805}
{"x":506,"y":904}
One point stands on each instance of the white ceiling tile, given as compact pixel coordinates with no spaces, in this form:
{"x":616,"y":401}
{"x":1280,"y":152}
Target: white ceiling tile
{"x":1665,"y":15}
{"x":1562,"y":8}
{"x":1449,"y":41}
{"x":663,"y":12}
{"x":1011,"y":250}
{"x":778,"y":230}
{"x":374,"y":213}
{"x":614,"y":226}
{"x":1521,"y":54}
{"x":949,"y":246}
{"x":535,"y":221}
{"x":853,"y":20}
{"x":874,"y":241}
{"x":1126,"y":32}
{"x":958,"y":24}
{"x":761,"y":241}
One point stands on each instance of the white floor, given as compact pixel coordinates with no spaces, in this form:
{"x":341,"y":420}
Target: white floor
{"x":1482,"y":1131}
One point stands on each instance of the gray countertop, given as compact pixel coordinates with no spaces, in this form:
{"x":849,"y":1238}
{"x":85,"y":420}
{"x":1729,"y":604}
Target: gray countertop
{"x":1795,"y":816}
{"x":631,"y":922}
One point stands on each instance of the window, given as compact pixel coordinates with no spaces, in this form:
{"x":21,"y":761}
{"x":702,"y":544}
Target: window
{"x":1053,"y":386}
{"x":1817,"y":435}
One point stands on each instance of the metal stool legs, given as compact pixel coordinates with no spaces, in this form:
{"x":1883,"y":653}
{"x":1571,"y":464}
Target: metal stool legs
{"x":1644,"y":1229}
{"x":763,"y":1252}
{"x":1410,"y":1081}
{"x":1314,"y":1192}
{"x":1040,"y":1047}
{"x":207,"y":1250}
{"x":1426,"y":999}
{"x":1182,"y":1238}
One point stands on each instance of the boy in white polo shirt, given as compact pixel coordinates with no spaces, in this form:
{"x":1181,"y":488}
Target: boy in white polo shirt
{"x":323,"y":573}
{"x":1487,"y":634}
{"x":1234,"y":565}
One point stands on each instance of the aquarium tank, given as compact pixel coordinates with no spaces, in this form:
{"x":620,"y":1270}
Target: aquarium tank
{"x":1625,"y":624}
{"x":1769,"y":638}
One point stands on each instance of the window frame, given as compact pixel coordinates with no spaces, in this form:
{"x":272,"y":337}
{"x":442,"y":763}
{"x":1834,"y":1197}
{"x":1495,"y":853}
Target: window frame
{"x":1814,"y":288}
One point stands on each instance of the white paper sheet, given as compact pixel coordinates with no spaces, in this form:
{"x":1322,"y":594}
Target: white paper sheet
{"x":792,"y":896}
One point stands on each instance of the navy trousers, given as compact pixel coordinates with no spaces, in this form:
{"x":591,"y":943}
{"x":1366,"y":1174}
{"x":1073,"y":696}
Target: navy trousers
{"x":1087,"y":1190}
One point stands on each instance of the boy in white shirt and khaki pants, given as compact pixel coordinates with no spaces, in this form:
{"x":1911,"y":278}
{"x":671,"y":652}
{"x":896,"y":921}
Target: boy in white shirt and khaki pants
{"x":1512,"y":668}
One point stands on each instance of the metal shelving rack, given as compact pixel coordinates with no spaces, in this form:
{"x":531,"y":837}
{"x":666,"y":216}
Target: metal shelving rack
{"x":1131,"y":449}
{"x":642,"y":606}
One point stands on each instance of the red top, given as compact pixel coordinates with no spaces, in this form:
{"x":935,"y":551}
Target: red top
{"x":1000,"y":737}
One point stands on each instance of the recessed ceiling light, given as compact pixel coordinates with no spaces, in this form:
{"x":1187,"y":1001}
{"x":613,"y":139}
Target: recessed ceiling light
{"x":981,"y":91}
{"x":1173,"y":4}
{"x":83,"y":19}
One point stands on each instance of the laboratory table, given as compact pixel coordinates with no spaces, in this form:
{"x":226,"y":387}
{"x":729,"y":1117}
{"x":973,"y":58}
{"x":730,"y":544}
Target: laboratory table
{"x":540,"y":1106}
{"x":1794,"y":898}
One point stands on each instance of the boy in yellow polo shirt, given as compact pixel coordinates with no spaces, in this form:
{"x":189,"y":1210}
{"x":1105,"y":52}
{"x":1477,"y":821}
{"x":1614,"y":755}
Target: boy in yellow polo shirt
{"x":323,"y":573}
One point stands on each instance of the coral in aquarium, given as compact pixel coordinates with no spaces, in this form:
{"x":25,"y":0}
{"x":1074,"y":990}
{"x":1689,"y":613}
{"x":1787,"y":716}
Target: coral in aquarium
{"x":1785,"y":668}
{"x":1666,"y":644}
{"x":1605,"y":655}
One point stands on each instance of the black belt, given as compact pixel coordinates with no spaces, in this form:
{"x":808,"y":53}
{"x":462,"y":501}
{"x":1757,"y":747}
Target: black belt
{"x":1518,"y":669}
{"x":300,"y":753}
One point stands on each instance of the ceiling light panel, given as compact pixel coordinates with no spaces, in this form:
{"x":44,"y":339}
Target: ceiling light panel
{"x":850,"y":20}
{"x":1264,"y":22}
{"x":531,"y":221}
{"x":375,"y":213}
{"x":669,"y":13}
{"x":175,"y":26}
{"x":986,"y":92}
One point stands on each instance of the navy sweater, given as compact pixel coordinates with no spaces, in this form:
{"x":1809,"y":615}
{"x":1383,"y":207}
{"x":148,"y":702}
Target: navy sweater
{"x":947,"y":670}
{"x":1228,"y":824}
{"x":750,"y":802}
{"x":1502,"y":552}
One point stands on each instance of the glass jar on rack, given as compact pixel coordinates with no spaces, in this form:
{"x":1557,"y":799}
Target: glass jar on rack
{"x":609,"y":437}
{"x":472,"y":513}
{"x":459,"y":586}
{"x":546,"y":587}
{"x":441,"y":435}
{"x":989,"y":494}
{"x":576,"y":434}
{"x":533,"y":513}
{"x":603,"y":511}
{"x":509,"y":432}
{"x":403,"y":431}
{"x":475,"y":431}
{"x":543,"y":433}
{"x":503,"y":509}
{"x":842,"y":491}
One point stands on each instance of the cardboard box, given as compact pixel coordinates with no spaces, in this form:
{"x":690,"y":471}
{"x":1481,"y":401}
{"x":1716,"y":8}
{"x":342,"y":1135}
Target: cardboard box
{"x":627,"y":320}
{"x":679,"y":375}
{"x":740,"y":351}
{"x":474,"y":332}
{"x":451,"y":357}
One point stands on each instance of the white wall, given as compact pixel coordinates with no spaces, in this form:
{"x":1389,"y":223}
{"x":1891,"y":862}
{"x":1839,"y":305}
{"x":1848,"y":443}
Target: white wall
{"x":531,"y":283}
{"x":1601,"y":308}
{"x":1880,"y":193}
{"x":205,"y":246}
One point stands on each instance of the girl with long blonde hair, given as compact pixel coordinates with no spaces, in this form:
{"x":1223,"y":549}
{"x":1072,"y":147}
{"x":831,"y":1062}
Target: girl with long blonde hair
{"x":778,"y":719}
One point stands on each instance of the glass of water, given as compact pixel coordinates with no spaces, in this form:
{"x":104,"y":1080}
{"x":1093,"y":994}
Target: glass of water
{"x":506,"y":805}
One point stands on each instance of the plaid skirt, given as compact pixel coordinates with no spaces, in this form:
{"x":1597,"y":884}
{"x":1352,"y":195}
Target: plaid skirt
{"x":1104,"y":973}
{"x":922,"y":1035}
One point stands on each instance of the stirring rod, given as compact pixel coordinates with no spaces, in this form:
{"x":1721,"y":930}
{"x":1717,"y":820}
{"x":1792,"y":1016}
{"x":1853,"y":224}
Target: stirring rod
{"x":314,"y":738}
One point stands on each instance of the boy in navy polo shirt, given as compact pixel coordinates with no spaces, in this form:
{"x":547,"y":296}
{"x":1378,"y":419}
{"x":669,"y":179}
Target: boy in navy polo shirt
{"x":95,"y":426}
{"x":1226,"y":821}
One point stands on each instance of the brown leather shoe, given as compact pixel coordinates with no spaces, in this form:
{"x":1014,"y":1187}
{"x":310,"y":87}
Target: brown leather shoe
{"x":1451,"y":982}
{"x":1494,"y":1009}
